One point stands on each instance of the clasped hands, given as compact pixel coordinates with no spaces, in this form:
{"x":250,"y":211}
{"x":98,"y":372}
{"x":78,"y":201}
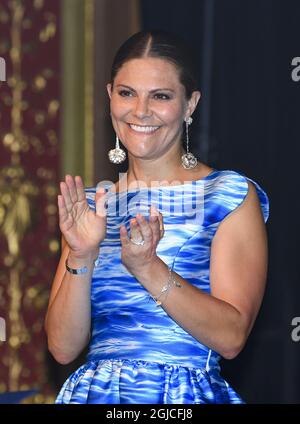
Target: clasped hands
{"x":84,"y":229}
{"x":138,"y":257}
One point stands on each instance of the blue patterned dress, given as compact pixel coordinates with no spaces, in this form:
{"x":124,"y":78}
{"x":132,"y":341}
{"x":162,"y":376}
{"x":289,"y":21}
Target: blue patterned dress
{"x":138,"y":354}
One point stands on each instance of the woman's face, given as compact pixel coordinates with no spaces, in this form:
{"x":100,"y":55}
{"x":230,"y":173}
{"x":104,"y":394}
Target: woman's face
{"x":148,"y":106}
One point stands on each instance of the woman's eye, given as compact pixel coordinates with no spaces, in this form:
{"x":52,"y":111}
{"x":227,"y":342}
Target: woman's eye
{"x":125,"y":93}
{"x":162,"y":96}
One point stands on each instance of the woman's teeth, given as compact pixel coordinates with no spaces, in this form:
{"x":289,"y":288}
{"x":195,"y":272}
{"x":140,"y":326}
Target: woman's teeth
{"x":144,"y":129}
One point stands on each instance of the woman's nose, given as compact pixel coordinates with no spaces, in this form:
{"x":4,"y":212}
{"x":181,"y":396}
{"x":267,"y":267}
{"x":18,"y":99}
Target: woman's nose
{"x":142,"y":108}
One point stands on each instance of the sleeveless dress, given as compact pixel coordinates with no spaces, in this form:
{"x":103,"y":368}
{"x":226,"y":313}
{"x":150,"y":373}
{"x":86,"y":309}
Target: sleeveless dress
{"x":138,"y":354}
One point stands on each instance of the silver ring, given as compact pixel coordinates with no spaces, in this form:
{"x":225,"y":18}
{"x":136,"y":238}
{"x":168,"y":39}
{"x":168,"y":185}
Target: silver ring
{"x":139,"y":243}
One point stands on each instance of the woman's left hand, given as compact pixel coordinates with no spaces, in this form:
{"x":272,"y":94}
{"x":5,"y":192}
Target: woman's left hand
{"x":139,"y":257}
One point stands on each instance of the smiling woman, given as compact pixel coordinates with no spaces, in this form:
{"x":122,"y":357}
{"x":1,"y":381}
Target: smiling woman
{"x":158,"y":308}
{"x":148,"y":107}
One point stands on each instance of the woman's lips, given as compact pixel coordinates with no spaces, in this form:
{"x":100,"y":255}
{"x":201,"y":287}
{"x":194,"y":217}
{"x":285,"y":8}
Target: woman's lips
{"x":143,"y":129}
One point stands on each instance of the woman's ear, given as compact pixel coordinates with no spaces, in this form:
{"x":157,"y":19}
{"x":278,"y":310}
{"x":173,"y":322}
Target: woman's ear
{"x":192,"y":103}
{"x":109,"y":89}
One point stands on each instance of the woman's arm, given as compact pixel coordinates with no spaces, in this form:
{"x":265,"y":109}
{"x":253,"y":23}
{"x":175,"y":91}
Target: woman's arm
{"x":238,"y":268}
{"x":68,"y":317}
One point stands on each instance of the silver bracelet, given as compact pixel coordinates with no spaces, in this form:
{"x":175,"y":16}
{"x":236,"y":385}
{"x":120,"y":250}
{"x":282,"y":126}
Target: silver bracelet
{"x":165,"y":289}
{"x":78,"y":271}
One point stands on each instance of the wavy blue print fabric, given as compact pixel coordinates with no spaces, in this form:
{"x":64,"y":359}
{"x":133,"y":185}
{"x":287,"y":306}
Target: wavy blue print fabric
{"x":138,"y":353}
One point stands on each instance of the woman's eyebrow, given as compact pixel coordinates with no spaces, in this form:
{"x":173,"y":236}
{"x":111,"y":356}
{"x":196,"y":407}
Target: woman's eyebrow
{"x":151,"y":91}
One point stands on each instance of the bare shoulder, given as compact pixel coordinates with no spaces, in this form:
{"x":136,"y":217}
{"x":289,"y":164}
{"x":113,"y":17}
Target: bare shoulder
{"x":248,"y":211}
{"x":251,"y":199}
{"x":243,"y":228}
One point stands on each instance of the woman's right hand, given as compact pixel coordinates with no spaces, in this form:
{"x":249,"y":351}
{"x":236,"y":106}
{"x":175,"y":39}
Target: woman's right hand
{"x":82,"y":228}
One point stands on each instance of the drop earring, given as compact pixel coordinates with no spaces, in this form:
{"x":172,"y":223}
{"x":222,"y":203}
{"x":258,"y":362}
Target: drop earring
{"x":188,"y":160}
{"x":117,"y":155}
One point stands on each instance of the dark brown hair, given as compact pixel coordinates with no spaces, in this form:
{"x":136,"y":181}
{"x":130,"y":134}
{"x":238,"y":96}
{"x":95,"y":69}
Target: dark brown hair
{"x":162,"y":45}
